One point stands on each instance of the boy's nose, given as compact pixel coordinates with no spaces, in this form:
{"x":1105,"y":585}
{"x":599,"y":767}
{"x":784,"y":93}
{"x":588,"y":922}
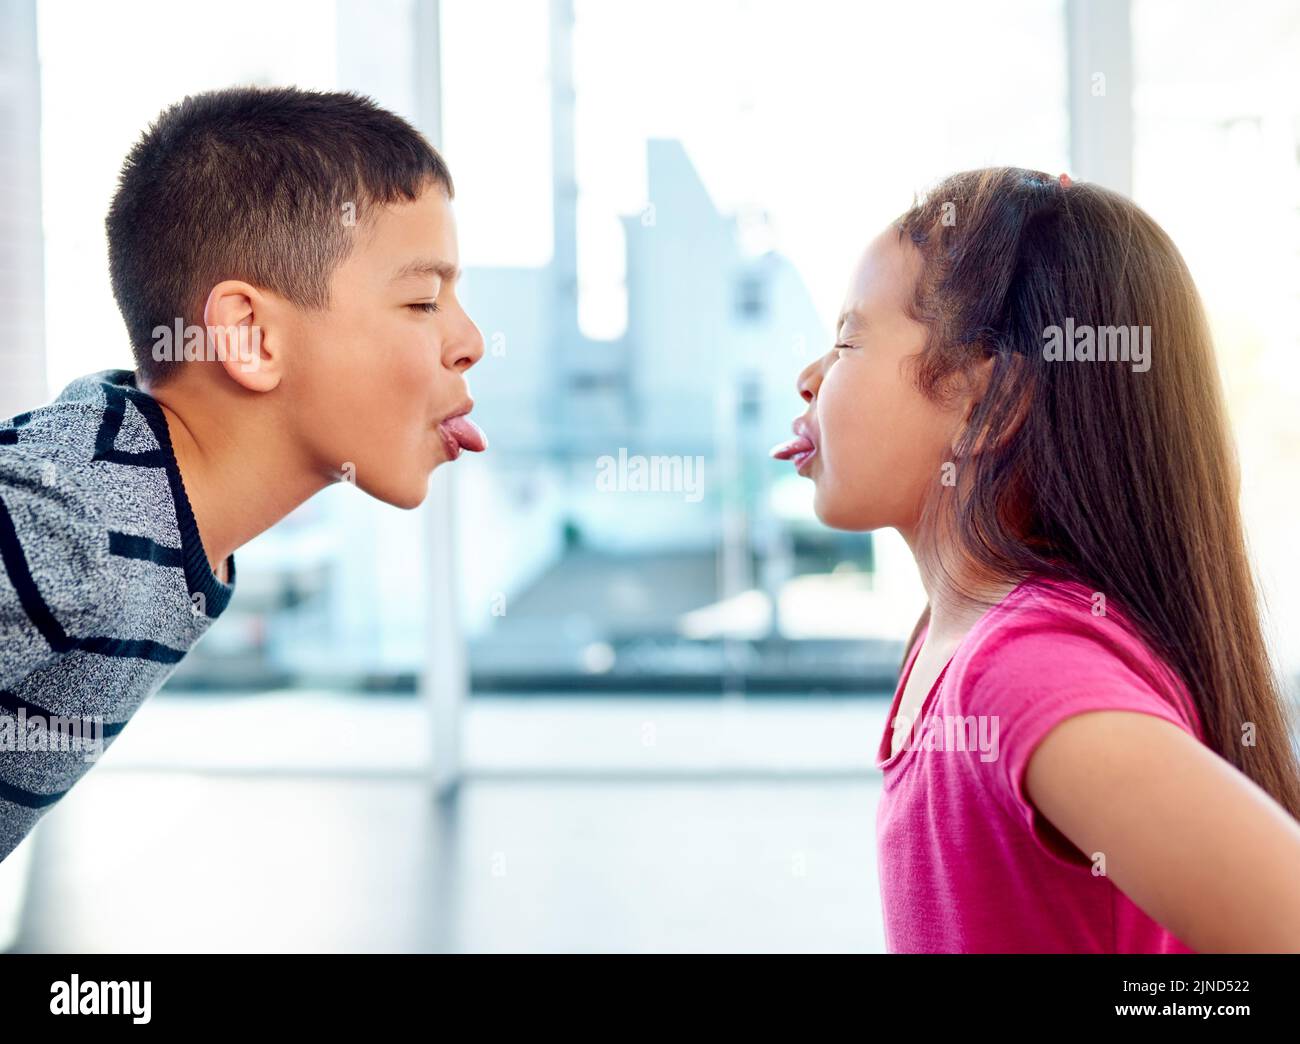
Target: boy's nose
{"x":467,"y":349}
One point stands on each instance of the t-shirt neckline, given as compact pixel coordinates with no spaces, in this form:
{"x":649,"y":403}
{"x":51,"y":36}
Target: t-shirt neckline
{"x":884,"y":762}
{"x":199,"y":577}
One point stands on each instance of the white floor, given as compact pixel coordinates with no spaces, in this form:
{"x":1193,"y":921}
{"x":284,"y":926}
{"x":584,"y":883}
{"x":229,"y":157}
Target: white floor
{"x":306,"y":823}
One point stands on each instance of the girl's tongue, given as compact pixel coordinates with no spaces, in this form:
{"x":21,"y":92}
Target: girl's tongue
{"x":791,"y":449}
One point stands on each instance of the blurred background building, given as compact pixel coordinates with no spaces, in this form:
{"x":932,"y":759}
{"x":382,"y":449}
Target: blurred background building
{"x":592,"y":587}
{"x":551,"y":710}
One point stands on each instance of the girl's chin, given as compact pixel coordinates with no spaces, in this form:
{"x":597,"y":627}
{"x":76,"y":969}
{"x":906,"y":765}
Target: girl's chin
{"x":834,"y":512}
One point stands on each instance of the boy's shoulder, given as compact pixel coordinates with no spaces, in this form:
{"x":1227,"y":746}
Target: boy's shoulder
{"x":59,"y":494}
{"x":96,"y":504}
{"x":98,"y":416}
{"x":97,"y":543}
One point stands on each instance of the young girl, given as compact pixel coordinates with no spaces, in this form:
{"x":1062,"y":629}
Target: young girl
{"x":1087,"y":750}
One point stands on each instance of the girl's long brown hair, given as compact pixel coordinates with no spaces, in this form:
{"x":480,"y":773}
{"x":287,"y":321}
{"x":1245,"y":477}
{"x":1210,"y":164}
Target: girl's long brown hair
{"x":1094,"y":472}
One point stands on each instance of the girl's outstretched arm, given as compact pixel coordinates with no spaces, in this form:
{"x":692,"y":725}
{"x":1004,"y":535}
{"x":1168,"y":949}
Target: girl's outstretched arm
{"x":1191,"y":840}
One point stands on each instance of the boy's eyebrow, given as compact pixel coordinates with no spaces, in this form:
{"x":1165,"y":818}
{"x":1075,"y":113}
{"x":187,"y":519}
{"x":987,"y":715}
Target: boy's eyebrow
{"x":427,"y":266}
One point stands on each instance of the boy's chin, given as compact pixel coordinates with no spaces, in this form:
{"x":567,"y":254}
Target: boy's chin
{"x":407,"y":495}
{"x":410,"y":499}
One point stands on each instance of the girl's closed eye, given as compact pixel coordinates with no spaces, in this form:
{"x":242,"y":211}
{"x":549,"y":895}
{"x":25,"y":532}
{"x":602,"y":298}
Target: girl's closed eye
{"x":427,"y":307}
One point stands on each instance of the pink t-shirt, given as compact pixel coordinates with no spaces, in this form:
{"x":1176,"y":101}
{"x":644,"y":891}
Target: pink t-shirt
{"x":967,"y":865}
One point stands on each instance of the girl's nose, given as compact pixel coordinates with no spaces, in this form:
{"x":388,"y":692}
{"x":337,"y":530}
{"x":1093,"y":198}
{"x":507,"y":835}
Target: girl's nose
{"x":810,"y":380}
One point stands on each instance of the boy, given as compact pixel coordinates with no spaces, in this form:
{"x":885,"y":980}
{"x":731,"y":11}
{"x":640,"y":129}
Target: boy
{"x":286,"y":265}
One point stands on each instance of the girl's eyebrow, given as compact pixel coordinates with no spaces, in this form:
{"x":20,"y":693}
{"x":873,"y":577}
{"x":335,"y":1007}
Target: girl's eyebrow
{"x":849,"y":314}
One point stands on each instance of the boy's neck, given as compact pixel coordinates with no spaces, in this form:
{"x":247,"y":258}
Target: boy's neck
{"x":241,"y":472}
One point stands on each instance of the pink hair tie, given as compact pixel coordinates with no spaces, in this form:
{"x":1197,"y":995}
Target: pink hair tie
{"x":1065,"y":181}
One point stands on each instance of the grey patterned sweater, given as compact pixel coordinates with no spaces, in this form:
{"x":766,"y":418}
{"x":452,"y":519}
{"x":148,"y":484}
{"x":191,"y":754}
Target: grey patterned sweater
{"x":104,"y":584}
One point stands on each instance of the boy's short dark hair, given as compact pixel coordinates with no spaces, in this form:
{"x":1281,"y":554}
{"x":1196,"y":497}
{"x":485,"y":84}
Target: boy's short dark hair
{"x":252,"y":183}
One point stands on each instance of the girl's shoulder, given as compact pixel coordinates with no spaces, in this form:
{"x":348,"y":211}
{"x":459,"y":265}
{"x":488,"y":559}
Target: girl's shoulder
{"x":1054,"y":647}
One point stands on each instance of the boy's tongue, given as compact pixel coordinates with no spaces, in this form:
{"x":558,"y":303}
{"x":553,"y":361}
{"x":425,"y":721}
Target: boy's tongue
{"x":467,"y":433}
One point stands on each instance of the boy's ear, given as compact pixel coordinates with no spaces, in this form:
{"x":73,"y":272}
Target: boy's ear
{"x":236,"y":340}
